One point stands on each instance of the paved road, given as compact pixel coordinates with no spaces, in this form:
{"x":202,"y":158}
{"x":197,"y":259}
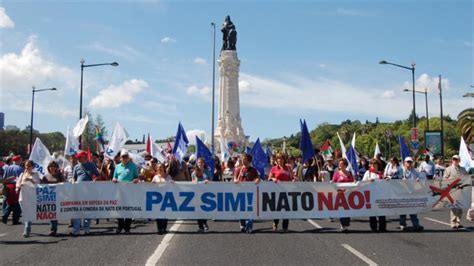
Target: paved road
{"x":308,"y":242}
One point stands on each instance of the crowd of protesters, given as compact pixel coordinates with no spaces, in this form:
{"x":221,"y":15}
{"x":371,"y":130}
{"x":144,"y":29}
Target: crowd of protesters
{"x":84,"y":167}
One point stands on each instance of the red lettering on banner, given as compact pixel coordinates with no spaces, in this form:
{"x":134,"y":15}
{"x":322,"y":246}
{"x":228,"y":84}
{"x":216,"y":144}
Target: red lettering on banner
{"x":360,"y":200}
{"x":341,"y":201}
{"x":46,"y":216}
{"x":367,"y":199}
{"x":326,"y":201}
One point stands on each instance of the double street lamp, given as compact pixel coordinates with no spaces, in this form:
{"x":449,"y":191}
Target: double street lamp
{"x":82,"y":77}
{"x":33,"y":91}
{"x":412,"y":68}
{"x":426,"y":104}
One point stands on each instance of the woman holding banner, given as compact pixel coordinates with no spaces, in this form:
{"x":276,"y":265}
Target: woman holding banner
{"x":53,"y":176}
{"x":342,"y":175}
{"x":161,"y":177}
{"x":201,"y":175}
{"x":281,"y":172}
{"x":28,"y":177}
{"x":375,"y":173}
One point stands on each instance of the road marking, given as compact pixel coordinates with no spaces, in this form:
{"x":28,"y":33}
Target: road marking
{"x":445,"y":223}
{"x":153,"y":260}
{"x":4,"y":234}
{"x":359,"y":255}
{"x":314,"y":224}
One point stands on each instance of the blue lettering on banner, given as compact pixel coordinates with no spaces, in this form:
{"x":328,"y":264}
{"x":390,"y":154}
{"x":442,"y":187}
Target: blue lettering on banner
{"x":152,"y":197}
{"x":45,"y":194}
{"x":188,"y":196}
{"x":169,"y":202}
{"x":227,"y":201}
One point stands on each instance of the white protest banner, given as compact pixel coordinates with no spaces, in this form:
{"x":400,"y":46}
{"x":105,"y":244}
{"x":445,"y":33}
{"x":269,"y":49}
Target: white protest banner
{"x":117,"y":140}
{"x":299,"y":200}
{"x":40,"y":156}
{"x":80,"y":126}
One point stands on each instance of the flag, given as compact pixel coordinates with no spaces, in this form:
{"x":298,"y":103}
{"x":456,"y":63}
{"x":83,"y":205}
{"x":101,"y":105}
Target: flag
{"x":377,"y":149}
{"x":137,"y":159}
{"x":225,"y":155}
{"x":148,"y":145}
{"x":72,"y":144}
{"x":404,"y":151}
{"x":117,"y":140}
{"x":343,"y":148}
{"x":181,"y":143}
{"x":203,"y":152}
{"x":98,"y":135}
{"x":427,"y":152}
{"x":268,"y":152}
{"x":259,"y":158}
{"x":306,"y":146}
{"x":158,"y":153}
{"x":352,"y":160}
{"x":248,"y":150}
{"x":89,"y":155}
{"x":326,"y":149}
{"x":80,"y":126}
{"x":353,"y":143}
{"x":466,"y":160}
{"x":40,"y":156}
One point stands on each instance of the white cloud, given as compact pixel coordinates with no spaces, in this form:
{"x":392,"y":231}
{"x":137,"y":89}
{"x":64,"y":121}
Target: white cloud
{"x":191,"y":134}
{"x":388,"y":95}
{"x":29,"y":68}
{"x":200,"y":61}
{"x":167,"y":40}
{"x":322,"y":65}
{"x":123,"y":51}
{"x":5,"y":21}
{"x":245,"y":87}
{"x":115,"y":96}
{"x":203,"y":93}
{"x":425,"y":81}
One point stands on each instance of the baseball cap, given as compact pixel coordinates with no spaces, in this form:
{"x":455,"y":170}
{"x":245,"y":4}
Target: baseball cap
{"x":456,"y":157}
{"x":124,"y":152}
{"x":16,"y":158}
{"x":81,"y":154}
{"x":408,"y":159}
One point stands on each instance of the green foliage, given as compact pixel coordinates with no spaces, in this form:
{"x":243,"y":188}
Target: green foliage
{"x":16,"y":142}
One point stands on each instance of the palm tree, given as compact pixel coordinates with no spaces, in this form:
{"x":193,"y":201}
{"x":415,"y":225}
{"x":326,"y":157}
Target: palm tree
{"x":466,"y":124}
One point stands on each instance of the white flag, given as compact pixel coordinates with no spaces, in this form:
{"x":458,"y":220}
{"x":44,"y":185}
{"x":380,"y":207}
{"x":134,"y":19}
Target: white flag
{"x":72,"y":144}
{"x":377,"y":149}
{"x":80,"y":126}
{"x":158,"y":153}
{"x":137,"y":159}
{"x":354,"y":140}
{"x":40,"y":156}
{"x":466,"y":160}
{"x":225,"y":155}
{"x":343,"y":148}
{"x":117,"y":140}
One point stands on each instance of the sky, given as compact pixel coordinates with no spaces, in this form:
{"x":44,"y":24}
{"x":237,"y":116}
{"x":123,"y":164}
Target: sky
{"x":313,"y":60}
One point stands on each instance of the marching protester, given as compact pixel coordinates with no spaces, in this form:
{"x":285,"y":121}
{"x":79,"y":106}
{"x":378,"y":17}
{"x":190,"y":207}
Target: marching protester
{"x":228,"y":174}
{"x":161,"y":177}
{"x":28,"y":177}
{"x":375,"y":173}
{"x":217,"y":176}
{"x":84,"y":171}
{"x":455,"y":171}
{"x":281,"y":172}
{"x":150,"y":170}
{"x":246,"y":173}
{"x":307,"y":172}
{"x":342,"y":175}
{"x":10,"y":175}
{"x":393,"y":170}
{"x":439,"y":168}
{"x":201,"y":175}
{"x":126,"y":171}
{"x":329,"y":167}
{"x":53,"y":176}
{"x":427,"y":167}
{"x":410,"y":173}
{"x":178,"y":171}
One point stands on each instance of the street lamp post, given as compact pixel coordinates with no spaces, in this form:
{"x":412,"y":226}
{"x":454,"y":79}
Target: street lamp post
{"x":33,"y":91}
{"x":213,"y":85}
{"x":441,"y":113}
{"x":412,"y":68}
{"x":426,"y":104}
{"x":82,"y":78}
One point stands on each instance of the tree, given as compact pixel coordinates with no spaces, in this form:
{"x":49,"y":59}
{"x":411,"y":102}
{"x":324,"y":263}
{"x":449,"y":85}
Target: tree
{"x":466,"y":124}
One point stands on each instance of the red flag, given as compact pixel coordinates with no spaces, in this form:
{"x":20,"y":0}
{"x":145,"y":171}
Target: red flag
{"x":148,"y":144}
{"x":89,"y":155}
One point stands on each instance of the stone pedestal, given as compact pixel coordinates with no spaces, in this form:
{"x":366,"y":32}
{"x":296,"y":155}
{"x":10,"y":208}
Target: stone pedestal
{"x":229,"y":123}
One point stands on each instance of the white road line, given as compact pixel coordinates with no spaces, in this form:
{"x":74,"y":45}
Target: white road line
{"x":4,"y":234}
{"x":153,"y":260}
{"x":359,"y":255}
{"x":314,"y":224}
{"x":445,"y":223}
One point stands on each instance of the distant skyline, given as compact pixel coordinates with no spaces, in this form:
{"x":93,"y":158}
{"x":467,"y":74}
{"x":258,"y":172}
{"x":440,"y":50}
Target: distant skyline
{"x":311,"y":60}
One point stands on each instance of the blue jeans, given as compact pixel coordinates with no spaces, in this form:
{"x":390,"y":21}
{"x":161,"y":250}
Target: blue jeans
{"x":414,"y":220}
{"x":246,"y":224}
{"x":27,"y":227}
{"x":7,"y":209}
{"x":76,"y":226}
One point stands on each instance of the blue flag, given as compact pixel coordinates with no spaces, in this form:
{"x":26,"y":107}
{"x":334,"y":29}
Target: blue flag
{"x":203,"y":152}
{"x":306,"y":146}
{"x":259,"y":158}
{"x":268,"y":152}
{"x":248,"y":150}
{"x":352,"y":159}
{"x":180,"y":144}
{"x":404,"y":151}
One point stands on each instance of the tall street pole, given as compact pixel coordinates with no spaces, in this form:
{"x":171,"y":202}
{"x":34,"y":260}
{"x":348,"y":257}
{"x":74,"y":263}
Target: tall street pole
{"x":441,"y":110}
{"x":33,"y":91}
{"x":413,"y":82}
{"x":213,"y":85}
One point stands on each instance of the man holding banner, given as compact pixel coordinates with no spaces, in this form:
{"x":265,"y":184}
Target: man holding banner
{"x":410,"y":173}
{"x":455,"y":171}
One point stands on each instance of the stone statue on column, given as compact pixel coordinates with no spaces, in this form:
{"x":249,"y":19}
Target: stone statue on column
{"x":229,"y":35}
